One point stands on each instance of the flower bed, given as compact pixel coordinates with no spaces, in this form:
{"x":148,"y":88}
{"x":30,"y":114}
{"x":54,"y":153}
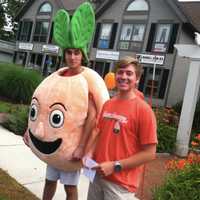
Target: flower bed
{"x":183,"y":179}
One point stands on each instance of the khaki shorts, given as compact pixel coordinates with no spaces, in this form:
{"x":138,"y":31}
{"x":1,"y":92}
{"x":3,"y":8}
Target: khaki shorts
{"x":102,"y":189}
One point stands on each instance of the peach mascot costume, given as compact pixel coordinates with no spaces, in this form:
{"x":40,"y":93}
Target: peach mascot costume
{"x":60,"y":103}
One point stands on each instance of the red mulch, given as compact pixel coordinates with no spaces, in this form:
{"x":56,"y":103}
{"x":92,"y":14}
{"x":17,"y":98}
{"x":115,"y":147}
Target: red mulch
{"x":154,"y":175}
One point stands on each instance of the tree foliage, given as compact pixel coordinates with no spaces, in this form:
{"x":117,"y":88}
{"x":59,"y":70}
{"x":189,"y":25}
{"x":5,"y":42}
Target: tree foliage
{"x":8,"y":11}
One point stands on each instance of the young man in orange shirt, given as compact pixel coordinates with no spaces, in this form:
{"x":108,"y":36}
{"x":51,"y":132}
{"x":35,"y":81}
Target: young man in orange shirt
{"x":126,"y":138}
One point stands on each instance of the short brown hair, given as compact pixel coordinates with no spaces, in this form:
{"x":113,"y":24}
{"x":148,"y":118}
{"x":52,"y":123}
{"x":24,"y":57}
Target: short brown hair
{"x":127,"y":60}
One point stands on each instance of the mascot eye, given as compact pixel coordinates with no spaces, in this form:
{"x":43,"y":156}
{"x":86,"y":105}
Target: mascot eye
{"x":33,"y":112}
{"x":56,"y":118}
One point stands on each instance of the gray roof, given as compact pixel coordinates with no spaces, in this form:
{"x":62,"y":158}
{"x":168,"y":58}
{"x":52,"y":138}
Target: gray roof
{"x":189,"y":12}
{"x":192,"y":11}
{"x":71,"y":5}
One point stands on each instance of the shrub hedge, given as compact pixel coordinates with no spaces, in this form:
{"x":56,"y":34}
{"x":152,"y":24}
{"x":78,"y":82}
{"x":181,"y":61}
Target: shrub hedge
{"x":17,"y":120}
{"x":196,"y":121}
{"x":17,"y":83}
{"x":166,"y":138}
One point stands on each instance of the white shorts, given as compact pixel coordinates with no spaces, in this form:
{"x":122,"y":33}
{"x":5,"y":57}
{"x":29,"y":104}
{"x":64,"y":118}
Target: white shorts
{"x":66,"y":178}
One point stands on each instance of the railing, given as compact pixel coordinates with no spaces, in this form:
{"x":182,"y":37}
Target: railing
{"x":6,"y":46}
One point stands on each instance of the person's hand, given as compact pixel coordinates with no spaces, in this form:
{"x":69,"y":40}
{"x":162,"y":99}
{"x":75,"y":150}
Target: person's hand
{"x":78,"y":153}
{"x":105,"y":168}
{"x":25,"y":138}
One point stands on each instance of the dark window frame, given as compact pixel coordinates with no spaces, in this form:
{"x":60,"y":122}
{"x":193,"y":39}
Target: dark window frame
{"x":171,"y":40}
{"x":162,"y":43}
{"x":25,"y":36}
{"x":140,"y":43}
{"x":34,"y":60}
{"x":45,"y":13}
{"x":39,"y":35}
{"x":109,"y":38}
{"x":162,"y":82}
{"x":139,"y":12}
{"x":104,"y":65}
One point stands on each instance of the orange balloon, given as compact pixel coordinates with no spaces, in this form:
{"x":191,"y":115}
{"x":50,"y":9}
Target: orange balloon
{"x":110,"y":80}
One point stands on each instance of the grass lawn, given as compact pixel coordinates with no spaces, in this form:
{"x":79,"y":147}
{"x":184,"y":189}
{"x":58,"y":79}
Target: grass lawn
{"x":11,"y":190}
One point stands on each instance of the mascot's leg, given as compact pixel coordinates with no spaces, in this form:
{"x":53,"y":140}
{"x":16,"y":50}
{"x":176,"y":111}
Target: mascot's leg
{"x":49,"y":189}
{"x":71,"y":192}
{"x":52,"y":175}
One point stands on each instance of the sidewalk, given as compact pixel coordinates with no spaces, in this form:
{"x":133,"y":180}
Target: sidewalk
{"x":17,"y":159}
{"x":20,"y":163}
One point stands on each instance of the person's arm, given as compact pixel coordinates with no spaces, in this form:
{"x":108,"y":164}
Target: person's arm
{"x":147,"y":154}
{"x":87,"y":130}
{"x":91,"y":144}
{"x":92,"y":141}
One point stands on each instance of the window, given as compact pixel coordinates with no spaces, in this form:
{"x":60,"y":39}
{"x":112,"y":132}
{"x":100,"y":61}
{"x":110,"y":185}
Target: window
{"x":161,"y":41}
{"x":21,"y":58}
{"x":131,"y":37}
{"x":102,"y":68}
{"x":157,"y":86}
{"x":25,"y":31}
{"x":41,"y":31}
{"x":162,"y":38}
{"x":105,"y":36}
{"x":51,"y":64}
{"x":51,"y":33}
{"x":36,"y":60}
{"x":138,"y":5}
{"x":45,"y":8}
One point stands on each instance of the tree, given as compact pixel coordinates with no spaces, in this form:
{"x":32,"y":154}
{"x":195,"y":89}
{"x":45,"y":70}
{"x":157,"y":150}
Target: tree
{"x":2,"y":19}
{"x":8,"y":11}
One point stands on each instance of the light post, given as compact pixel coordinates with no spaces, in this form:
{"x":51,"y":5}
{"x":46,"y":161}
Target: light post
{"x":192,"y":52}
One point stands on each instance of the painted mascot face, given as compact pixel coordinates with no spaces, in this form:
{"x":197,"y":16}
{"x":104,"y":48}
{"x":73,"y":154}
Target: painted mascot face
{"x":57,"y":114}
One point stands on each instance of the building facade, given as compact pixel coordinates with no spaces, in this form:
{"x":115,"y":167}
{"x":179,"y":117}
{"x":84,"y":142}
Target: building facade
{"x":147,"y":29}
{"x":7,"y":50}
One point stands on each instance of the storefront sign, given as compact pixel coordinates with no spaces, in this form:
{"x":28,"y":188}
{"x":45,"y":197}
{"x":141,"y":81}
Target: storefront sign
{"x":26,"y":46}
{"x":111,"y":55}
{"x":50,"y":48}
{"x":151,"y":59}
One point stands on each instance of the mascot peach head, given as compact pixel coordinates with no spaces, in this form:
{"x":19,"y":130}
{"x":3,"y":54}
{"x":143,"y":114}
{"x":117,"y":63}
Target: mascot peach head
{"x":56,"y":118}
{"x":57,"y":115}
{"x":59,"y":105}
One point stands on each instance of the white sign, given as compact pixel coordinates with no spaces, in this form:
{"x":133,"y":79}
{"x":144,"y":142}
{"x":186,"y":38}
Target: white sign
{"x":26,"y":46}
{"x":150,"y":59}
{"x":50,"y":48}
{"x":159,"y":47}
{"x":111,"y":55}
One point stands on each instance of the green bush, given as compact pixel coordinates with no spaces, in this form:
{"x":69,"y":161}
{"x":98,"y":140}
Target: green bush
{"x":4,"y":107}
{"x":177,"y":107}
{"x":196,"y":121}
{"x":17,"y":83}
{"x":166,"y":138}
{"x":180,"y":185}
{"x":17,"y":120}
{"x":8,"y":107}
